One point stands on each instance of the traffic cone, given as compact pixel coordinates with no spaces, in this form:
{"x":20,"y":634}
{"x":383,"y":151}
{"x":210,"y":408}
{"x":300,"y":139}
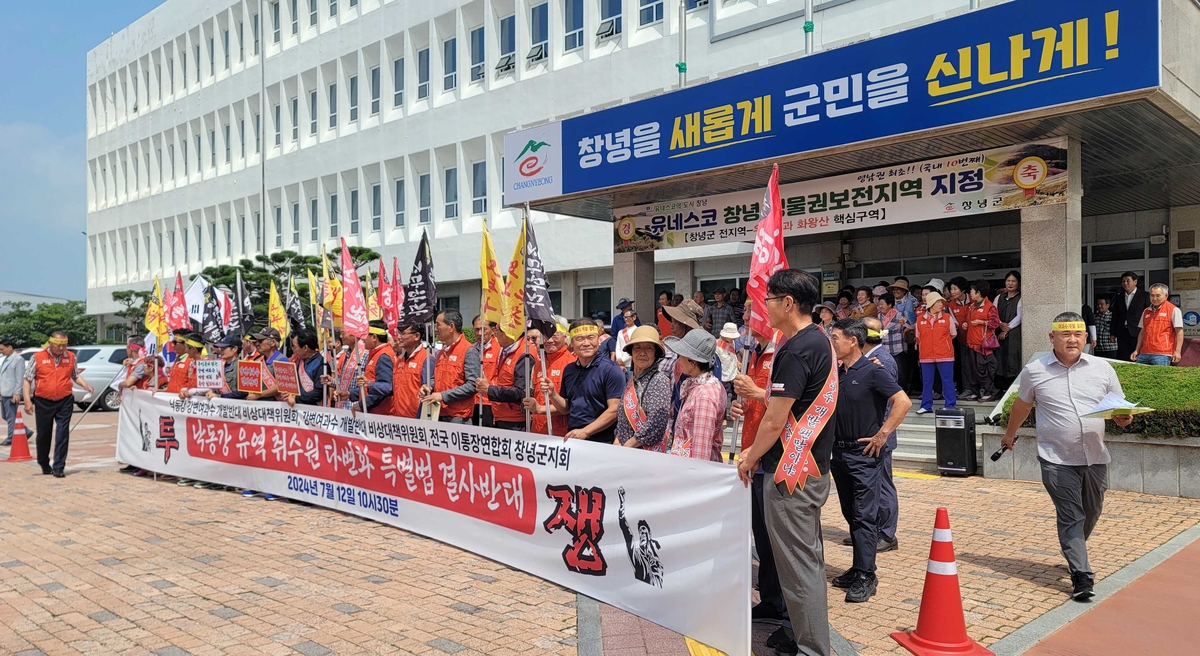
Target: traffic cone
{"x":20,"y":446}
{"x":941,"y":628}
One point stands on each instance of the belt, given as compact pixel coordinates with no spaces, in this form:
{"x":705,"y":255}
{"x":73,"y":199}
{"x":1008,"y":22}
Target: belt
{"x":847,"y":444}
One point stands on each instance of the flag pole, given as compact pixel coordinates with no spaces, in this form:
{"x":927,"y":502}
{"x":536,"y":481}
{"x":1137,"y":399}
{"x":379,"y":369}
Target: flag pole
{"x":738,"y":424}
{"x":549,"y":420}
{"x":528,"y":419}
{"x":479,"y":337}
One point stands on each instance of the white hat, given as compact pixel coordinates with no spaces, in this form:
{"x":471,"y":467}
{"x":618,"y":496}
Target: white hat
{"x":936,"y":282}
{"x":730,"y":331}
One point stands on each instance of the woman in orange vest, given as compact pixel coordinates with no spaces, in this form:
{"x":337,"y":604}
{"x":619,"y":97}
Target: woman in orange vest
{"x":47,"y":386}
{"x":959,"y":305}
{"x":981,"y":324}
{"x":661,"y":318}
{"x":558,"y":356}
{"x":936,"y":331}
{"x":507,"y":390}
{"x":455,"y":371}
{"x":408,"y":374}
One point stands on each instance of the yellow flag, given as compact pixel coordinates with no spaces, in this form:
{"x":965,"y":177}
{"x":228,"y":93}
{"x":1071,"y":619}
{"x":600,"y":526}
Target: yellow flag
{"x":156,"y":318}
{"x":333,"y":291}
{"x":276,"y":315}
{"x":493,"y":282}
{"x":514,"y":291}
{"x":374,"y":312}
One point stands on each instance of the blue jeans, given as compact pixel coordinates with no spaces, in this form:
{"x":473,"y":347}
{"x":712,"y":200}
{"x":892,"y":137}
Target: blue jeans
{"x":1156,"y":360}
{"x":946,"y":369}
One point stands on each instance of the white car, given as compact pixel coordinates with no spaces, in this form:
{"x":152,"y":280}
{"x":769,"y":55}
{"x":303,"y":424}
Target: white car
{"x":97,"y":365}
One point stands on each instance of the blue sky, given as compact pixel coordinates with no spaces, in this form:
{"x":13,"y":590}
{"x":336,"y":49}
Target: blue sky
{"x":43,"y":149}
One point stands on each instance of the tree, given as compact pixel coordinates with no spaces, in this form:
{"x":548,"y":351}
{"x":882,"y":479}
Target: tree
{"x":359,"y":255}
{"x":134,"y":307}
{"x":32,"y":327}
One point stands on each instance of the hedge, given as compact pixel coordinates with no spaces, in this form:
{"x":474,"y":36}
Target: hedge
{"x":1174,"y":393}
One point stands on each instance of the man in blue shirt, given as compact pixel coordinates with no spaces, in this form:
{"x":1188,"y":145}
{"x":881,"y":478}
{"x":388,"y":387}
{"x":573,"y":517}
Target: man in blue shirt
{"x":889,"y":501}
{"x":590,"y":391}
{"x":618,"y":321}
{"x":305,"y":352}
{"x":267,"y":341}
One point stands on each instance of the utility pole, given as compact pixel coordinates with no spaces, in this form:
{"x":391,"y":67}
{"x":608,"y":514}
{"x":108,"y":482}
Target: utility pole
{"x":681,"y":65}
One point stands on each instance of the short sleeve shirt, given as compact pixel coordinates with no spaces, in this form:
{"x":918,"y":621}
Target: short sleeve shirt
{"x":799,"y":371}
{"x":863,"y":393}
{"x":587,"y":391}
{"x":1063,"y":395}
{"x":1176,"y":319}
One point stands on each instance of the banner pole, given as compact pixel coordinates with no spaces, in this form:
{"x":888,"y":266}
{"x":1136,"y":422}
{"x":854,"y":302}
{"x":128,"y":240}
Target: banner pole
{"x":549,"y":420}
{"x":737,"y":425}
{"x":98,"y":394}
{"x":526,"y":359}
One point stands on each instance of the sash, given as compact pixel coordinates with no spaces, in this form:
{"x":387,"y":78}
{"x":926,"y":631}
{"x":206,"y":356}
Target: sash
{"x":636,"y":415}
{"x":797,"y":463}
{"x":224,"y":380}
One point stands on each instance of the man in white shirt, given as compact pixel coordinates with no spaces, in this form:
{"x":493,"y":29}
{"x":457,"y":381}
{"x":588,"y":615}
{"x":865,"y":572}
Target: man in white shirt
{"x":1066,"y":385}
{"x":12,"y":372}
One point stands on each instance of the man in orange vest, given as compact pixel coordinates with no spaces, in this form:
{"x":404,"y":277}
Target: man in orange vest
{"x":376,"y":377}
{"x":558,"y":356}
{"x":181,"y":378}
{"x":409,"y":373}
{"x":489,"y":360}
{"x":1160,"y":341}
{"x":47,"y":386}
{"x":508,"y":390}
{"x":456,"y":369}
{"x":140,"y":375}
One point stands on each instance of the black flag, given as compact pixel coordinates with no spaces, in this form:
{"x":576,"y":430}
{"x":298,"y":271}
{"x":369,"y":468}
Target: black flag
{"x":243,"y":309}
{"x":293,"y":309}
{"x":211,"y":326}
{"x":420,"y":295}
{"x":537,"y":295}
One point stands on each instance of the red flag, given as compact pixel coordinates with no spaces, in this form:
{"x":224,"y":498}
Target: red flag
{"x":354,"y":304}
{"x":177,"y":312}
{"x":768,"y":255}
{"x":397,"y":290}
{"x":386,"y":297}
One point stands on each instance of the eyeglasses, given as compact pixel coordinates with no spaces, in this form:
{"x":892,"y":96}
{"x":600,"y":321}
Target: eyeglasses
{"x":772,"y":298}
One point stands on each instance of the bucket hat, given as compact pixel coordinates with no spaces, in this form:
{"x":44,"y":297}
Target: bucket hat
{"x":697,"y":345}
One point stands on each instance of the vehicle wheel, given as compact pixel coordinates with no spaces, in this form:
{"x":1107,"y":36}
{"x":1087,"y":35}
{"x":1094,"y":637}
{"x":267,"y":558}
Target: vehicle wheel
{"x":111,"y":400}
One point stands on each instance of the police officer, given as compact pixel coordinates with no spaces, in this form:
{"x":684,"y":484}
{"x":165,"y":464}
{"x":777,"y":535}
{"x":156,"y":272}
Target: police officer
{"x":861,"y":429}
{"x":47,"y":386}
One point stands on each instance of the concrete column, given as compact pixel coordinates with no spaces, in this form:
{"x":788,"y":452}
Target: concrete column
{"x":570,"y":294}
{"x":685,"y":279}
{"x":1051,"y":271}
{"x":633,"y":278}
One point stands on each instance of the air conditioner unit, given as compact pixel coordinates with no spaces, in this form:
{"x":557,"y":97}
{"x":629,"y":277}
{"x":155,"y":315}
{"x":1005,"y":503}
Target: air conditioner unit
{"x":506,"y":63}
{"x":537,"y":53}
{"x":608,"y":29}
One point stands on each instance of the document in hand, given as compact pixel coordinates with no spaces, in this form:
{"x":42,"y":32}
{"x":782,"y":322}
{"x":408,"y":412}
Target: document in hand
{"x":1115,"y":404}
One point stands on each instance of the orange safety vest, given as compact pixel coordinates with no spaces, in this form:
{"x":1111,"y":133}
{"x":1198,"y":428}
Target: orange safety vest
{"x":513,"y":412}
{"x":52,"y":381}
{"x":934,"y":342}
{"x":183,"y":374}
{"x":976,"y":334}
{"x":664,"y":323}
{"x":450,"y":374}
{"x":385,"y":407}
{"x":406,"y":383}
{"x":555,"y":364}
{"x":962,"y":314}
{"x":760,"y":371}
{"x":1159,"y":330}
{"x":488,"y":362}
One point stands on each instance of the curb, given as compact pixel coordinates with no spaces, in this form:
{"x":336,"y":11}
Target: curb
{"x":589,"y":640}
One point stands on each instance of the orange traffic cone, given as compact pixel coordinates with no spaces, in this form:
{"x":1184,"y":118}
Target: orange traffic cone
{"x":20,"y":446}
{"x":941,"y":628}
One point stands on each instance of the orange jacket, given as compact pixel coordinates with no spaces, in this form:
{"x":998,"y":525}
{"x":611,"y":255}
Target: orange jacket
{"x":760,"y":371}
{"x":555,"y":363}
{"x":488,"y":363}
{"x":52,"y":382}
{"x":183,"y":374}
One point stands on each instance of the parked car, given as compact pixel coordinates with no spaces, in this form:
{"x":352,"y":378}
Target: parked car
{"x":98,"y":365}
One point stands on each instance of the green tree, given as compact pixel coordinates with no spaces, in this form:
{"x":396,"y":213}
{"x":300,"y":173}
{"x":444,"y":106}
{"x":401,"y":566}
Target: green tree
{"x":133,"y":304}
{"x":28,"y":326}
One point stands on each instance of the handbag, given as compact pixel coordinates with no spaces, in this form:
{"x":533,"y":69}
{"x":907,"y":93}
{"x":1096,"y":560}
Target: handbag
{"x":991,"y":342}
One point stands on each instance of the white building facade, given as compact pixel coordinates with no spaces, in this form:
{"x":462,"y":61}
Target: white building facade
{"x":265,"y":126}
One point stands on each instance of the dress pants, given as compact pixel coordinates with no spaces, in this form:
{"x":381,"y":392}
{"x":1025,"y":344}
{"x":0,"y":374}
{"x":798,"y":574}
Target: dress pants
{"x":1125,"y":346}
{"x":889,"y":500}
{"x":794,"y":522}
{"x":53,"y":418}
{"x":769,"y":591}
{"x":858,"y":478}
{"x":9,"y":410}
{"x":1078,"y":495}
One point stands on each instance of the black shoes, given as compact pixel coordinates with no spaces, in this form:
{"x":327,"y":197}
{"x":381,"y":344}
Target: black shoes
{"x":762,"y":611}
{"x":47,"y":471}
{"x":1082,"y":582}
{"x":848,"y":541}
{"x":6,"y":442}
{"x":885,"y":545}
{"x":59,"y":474}
{"x":862,"y":589}
{"x":845,"y":579}
{"x":783,"y":641}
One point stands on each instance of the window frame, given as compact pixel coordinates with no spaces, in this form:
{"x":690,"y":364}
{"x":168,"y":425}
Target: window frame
{"x":278,"y":226}
{"x":572,"y":38}
{"x":425,"y":198}
{"x":479,"y":177}
{"x":398,"y":201}
{"x":354,"y":212}
{"x":333,"y":105}
{"x":450,"y":64}
{"x":450,"y":192}
{"x":651,"y":8}
{"x":375,"y":83}
{"x":398,"y":82}
{"x":376,"y":207}
{"x":478,"y":48}
{"x":423,"y":74}
{"x":333,"y":216}
{"x":295,"y":222}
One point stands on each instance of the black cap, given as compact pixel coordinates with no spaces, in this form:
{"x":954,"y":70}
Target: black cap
{"x":267,"y":333}
{"x":229,"y":341}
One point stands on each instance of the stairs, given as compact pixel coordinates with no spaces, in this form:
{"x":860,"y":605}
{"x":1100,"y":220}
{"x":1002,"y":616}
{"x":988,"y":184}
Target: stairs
{"x":916,"y":447}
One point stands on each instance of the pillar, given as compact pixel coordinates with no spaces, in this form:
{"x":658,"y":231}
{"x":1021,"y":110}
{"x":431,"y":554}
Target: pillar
{"x":570,"y":294}
{"x":1051,"y":271}
{"x":633,"y":278}
{"x":685,"y":278}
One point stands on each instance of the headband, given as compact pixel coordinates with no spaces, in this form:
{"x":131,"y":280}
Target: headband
{"x":61,"y":341}
{"x":377,"y":331}
{"x":584,"y":330}
{"x":876,"y":333}
{"x":194,"y":344}
{"x":1068,"y":326}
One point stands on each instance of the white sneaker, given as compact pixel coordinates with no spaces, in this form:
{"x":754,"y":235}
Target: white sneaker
{"x":922,"y":411}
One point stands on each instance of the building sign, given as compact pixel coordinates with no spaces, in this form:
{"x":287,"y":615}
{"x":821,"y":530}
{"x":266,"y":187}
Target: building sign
{"x":1013,"y":57}
{"x":974,"y":183}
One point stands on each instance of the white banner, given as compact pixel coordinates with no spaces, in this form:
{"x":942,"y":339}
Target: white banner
{"x":973,"y":183}
{"x":663,"y":537}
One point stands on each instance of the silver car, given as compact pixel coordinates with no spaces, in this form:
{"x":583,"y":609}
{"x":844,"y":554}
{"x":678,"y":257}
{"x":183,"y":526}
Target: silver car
{"x":98,"y":365}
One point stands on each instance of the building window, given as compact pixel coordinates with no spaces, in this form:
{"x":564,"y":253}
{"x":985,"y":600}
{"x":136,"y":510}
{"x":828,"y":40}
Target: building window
{"x":257,"y":134}
{"x":242,"y":137}
{"x":228,"y":142}
{"x":354,"y":211}
{"x":275,"y":21}
{"x":333,"y":8}
{"x":477,"y":52}
{"x":333,"y":105}
{"x":241,"y":231}
{"x":259,"y":228}
{"x":376,"y":207}
{"x":225,"y":47}
{"x":278,"y":126}
{"x":423,"y":196}
{"x":312,"y":112}
{"x":333,"y":215}
{"x":212,"y":238}
{"x":254,"y":28}
{"x":650,"y":13}
{"x":573,"y":24}
{"x":295,"y":223}
{"x":183,"y":69}
{"x":295,"y":119}
{"x":353,"y":98}
{"x":508,"y":35}
{"x":171,"y":75}
{"x":171,"y":158}
{"x":186,"y":250}
{"x":398,"y":199}
{"x":312,"y":13}
{"x":197,"y":63}
{"x":212,"y":148}
{"x":199,"y":156}
{"x":171,"y":240}
{"x":479,"y":188}
{"x":278,"y":227}
{"x":183,"y":145}
{"x":450,"y":64}
{"x":228,"y":237}
{"x":423,"y":74}
{"x":374,"y":91}
{"x":539,"y":23}
{"x":610,"y":19}
{"x":451,"y":191}
{"x":212,"y":57}
{"x":314,"y":220}
{"x":398,"y":82}
{"x":295,"y":17}
{"x":597,"y":302}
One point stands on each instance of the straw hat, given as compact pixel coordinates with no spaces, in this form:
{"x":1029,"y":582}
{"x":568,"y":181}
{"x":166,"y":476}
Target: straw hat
{"x":933,"y":297}
{"x":730,"y":331}
{"x":645,"y":335}
{"x":687,"y":313}
{"x":899,"y":284}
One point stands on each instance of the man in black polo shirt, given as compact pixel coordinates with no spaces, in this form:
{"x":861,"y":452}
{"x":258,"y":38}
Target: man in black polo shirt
{"x":590,"y":391}
{"x":802,"y":368}
{"x":861,"y":428}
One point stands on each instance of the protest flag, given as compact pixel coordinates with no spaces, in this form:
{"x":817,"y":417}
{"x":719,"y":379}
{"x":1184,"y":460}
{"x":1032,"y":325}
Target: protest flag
{"x":156,"y":319}
{"x":768,"y":255}
{"x":276,"y":314}
{"x":354,"y":306}
{"x":295,"y":311}
{"x":177,"y":312}
{"x":420,"y":295}
{"x":386,"y":298}
{"x":493,"y":283}
{"x":333,"y":292}
{"x":397,"y":291}
{"x":374,"y":312}
{"x":210,"y":326}
{"x":514,"y":291}
{"x":537,"y":293}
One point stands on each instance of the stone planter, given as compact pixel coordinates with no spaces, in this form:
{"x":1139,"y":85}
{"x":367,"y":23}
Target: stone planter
{"x":1153,"y":465}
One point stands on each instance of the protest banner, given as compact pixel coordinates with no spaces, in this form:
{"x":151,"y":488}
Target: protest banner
{"x":210,"y":373}
{"x":249,"y":376}
{"x":663,"y":537}
{"x":286,"y":378}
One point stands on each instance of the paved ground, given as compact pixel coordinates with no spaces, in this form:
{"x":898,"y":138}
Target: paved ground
{"x":101,"y":562}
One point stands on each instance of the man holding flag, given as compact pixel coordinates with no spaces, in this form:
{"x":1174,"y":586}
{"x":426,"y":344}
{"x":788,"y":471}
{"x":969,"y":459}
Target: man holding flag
{"x":492,"y":302}
{"x":457,"y":367}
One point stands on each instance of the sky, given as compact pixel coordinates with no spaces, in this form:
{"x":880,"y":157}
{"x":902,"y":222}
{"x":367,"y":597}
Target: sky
{"x":43,"y":146}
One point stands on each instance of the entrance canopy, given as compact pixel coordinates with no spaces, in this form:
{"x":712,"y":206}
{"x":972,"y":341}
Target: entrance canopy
{"x":1016,"y":73}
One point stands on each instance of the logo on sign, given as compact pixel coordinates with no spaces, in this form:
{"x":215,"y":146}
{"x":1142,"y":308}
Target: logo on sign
{"x":1191,"y":319}
{"x":626,"y":228}
{"x":1030,"y":172}
{"x":534,"y":163}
